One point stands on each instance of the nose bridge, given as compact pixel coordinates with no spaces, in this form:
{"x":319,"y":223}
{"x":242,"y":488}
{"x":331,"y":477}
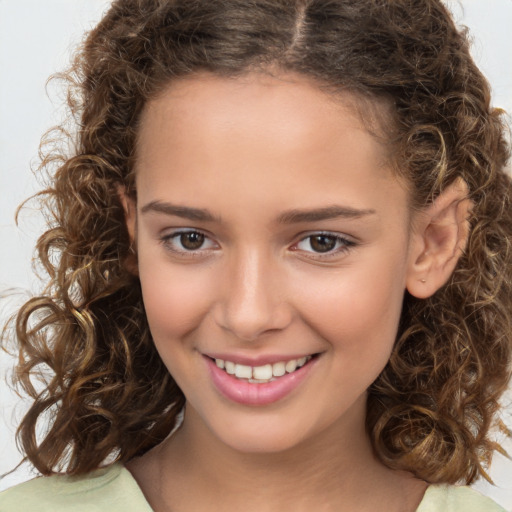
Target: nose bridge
{"x":253,"y":301}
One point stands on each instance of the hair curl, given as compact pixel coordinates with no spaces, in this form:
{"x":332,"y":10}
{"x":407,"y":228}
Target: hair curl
{"x":109,"y":394}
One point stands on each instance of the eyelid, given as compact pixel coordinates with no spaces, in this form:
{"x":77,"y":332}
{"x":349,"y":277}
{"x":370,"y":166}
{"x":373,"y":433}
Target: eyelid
{"x":168,"y":236}
{"x":347,"y":244}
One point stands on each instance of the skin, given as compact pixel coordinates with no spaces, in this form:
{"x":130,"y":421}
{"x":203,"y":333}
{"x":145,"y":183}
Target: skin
{"x":253,"y":152}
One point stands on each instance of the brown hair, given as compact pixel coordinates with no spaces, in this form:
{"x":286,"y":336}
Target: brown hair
{"x":108,"y":394}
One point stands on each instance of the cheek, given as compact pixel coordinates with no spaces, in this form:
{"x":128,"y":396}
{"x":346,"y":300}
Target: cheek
{"x":357,"y":311}
{"x":175,"y":298}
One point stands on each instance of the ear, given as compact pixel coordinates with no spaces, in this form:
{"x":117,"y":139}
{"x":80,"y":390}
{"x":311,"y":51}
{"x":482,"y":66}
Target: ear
{"x":440,"y":234}
{"x":130,"y":216}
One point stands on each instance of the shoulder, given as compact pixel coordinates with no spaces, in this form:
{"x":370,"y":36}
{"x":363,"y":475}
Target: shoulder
{"x":109,"y":489}
{"x":452,"y":498}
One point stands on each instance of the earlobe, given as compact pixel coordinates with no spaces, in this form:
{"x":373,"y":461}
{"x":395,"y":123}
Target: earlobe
{"x":130,"y":215}
{"x":439,"y":239}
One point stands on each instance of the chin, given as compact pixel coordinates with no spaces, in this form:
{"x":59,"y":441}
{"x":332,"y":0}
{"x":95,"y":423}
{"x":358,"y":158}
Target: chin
{"x":252,"y":431}
{"x":261,"y":441}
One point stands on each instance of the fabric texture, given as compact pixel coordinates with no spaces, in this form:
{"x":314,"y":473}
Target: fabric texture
{"x":114,"y":489}
{"x":111,"y":489}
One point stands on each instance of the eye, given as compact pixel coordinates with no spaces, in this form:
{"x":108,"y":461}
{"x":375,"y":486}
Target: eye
{"x":324,"y":243}
{"x":189,"y":241}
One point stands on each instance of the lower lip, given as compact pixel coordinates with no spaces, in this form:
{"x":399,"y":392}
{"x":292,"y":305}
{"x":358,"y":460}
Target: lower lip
{"x":249,"y":393}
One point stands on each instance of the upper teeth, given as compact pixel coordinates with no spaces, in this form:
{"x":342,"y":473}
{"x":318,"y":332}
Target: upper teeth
{"x":263,"y":373}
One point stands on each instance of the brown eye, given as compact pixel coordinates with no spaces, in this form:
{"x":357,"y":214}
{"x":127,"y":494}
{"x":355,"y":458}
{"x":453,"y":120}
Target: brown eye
{"x":189,"y":243}
{"x":192,"y":241}
{"x":323,"y":243}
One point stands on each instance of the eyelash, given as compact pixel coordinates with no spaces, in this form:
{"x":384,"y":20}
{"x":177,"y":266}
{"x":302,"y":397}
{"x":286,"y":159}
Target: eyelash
{"x":341,"y":244}
{"x":169,"y":244}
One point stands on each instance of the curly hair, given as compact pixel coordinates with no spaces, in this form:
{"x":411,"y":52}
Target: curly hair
{"x":108,"y":395}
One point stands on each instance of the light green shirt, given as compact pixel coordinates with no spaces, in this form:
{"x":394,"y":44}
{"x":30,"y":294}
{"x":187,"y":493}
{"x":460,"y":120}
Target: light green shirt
{"x":114,"y":489}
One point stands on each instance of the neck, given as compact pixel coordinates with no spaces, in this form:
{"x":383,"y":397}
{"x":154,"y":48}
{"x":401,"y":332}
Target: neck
{"x":336,"y":470}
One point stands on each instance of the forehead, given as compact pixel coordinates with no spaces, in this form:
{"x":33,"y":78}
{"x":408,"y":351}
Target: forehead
{"x":288,"y":105}
{"x":287,"y":98}
{"x":253,"y":135}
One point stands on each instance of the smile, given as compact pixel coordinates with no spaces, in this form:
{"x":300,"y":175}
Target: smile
{"x":259,"y":385}
{"x":261,"y":374}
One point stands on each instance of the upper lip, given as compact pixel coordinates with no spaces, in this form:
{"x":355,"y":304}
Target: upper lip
{"x":259,"y":360}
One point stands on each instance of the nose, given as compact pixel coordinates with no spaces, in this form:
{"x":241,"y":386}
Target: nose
{"x":253,"y":301}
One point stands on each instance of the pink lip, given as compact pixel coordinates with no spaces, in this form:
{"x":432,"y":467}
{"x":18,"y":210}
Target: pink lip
{"x":248,"y":393}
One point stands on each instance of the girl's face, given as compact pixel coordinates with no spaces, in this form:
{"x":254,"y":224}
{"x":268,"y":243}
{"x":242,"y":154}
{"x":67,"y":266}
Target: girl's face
{"x":270,"y":235}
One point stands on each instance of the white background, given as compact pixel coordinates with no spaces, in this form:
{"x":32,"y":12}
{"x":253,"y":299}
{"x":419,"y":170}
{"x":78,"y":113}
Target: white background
{"x":36,"y":39}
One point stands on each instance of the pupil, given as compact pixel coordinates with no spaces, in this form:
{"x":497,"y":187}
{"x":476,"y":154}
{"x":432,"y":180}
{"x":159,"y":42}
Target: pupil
{"x":192,"y":241}
{"x":323,"y":243}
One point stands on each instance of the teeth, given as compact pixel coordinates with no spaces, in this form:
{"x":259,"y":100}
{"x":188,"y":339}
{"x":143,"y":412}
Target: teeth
{"x":261,"y":374}
{"x":278,"y":369}
{"x":243,"y":372}
{"x":291,"y":366}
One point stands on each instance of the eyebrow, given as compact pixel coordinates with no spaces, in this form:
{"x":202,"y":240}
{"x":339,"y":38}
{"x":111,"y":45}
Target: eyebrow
{"x":329,"y":212}
{"x":288,"y":217}
{"x":197,"y":214}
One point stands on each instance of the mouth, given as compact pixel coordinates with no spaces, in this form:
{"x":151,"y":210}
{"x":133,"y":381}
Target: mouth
{"x":262,"y":374}
{"x":259,"y":385}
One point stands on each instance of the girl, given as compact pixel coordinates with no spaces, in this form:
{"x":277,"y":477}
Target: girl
{"x":279,"y":265}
